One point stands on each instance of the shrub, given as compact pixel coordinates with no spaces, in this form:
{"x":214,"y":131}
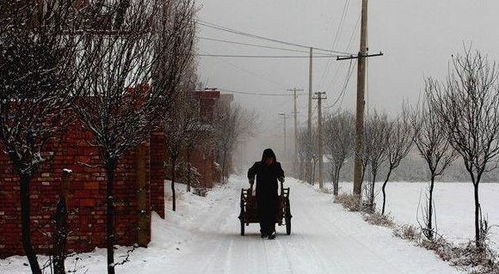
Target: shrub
{"x":201,"y":191}
{"x":349,"y":201}
{"x":465,"y":256}
{"x":379,"y":219}
{"x":407,"y":232}
{"x":481,"y":260}
{"x":440,"y":246}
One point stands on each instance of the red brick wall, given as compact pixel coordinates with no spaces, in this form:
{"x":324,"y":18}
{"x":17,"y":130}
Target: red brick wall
{"x":203,"y":161}
{"x":86,"y":201}
{"x":87,"y":188}
{"x":207,"y":103}
{"x":158,"y":173}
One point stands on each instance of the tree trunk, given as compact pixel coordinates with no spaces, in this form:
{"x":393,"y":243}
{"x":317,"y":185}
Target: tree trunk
{"x":26,"y":225}
{"x":371,"y":194}
{"x":430,"y":208}
{"x":384,"y":197}
{"x":189,"y":170}
{"x":363,"y":173}
{"x":110,"y":237}
{"x":302,"y":170}
{"x":336,"y":180}
{"x":223,"y":165}
{"x":478,"y":243}
{"x":60,"y":236}
{"x":173,"y":164}
{"x":313,"y":173}
{"x":384,"y":191}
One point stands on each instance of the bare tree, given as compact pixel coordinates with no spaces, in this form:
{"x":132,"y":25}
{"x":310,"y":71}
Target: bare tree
{"x":61,"y":222}
{"x":339,"y":139}
{"x":197,"y":139}
{"x":232,"y":123}
{"x":201,"y":133}
{"x":37,"y":88}
{"x":182,"y":128}
{"x":144,"y":50}
{"x":376,"y":131}
{"x":364,"y":160}
{"x":468,"y":105}
{"x":302,"y":153}
{"x":433,"y":144}
{"x":399,"y":143}
{"x":314,"y":156}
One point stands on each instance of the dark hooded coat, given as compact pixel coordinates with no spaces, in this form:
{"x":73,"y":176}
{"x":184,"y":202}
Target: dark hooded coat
{"x":266,"y":187}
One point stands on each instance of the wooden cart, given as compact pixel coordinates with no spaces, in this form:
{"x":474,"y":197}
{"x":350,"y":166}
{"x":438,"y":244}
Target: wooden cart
{"x":249,"y":213}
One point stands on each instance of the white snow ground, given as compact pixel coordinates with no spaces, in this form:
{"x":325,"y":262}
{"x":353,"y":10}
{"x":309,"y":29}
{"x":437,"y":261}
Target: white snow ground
{"x":454,"y":204}
{"x":203,"y":237}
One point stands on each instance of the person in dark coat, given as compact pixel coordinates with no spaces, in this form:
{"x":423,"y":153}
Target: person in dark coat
{"x":267,"y":172}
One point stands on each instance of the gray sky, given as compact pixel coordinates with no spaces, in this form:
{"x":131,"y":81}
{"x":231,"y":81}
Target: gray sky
{"x":417,"y":38}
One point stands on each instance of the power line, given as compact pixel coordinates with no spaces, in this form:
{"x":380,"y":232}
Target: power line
{"x":267,"y":56}
{"x":226,"y":29}
{"x":340,"y":25}
{"x":254,"y":74}
{"x":336,"y":36}
{"x":352,"y":35}
{"x":345,"y":86}
{"x":255,"y":93}
{"x":248,"y":44}
{"x":354,"y":31}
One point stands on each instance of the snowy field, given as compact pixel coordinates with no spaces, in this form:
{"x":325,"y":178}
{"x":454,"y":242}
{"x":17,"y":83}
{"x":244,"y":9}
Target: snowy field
{"x":454,"y":206}
{"x":203,"y":237}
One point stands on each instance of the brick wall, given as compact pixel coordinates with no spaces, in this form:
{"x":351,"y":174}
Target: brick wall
{"x":86,"y":201}
{"x":158,"y":173}
{"x":87,"y":189}
{"x":204,"y":162}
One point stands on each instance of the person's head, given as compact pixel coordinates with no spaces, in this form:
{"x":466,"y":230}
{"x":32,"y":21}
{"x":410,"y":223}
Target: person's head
{"x":268,"y":157}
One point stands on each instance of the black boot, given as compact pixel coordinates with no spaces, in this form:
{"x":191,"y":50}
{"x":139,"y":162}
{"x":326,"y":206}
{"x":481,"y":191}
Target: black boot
{"x":272,"y":235}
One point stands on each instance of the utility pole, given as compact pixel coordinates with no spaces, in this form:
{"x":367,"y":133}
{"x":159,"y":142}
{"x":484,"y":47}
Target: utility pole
{"x":361,"y":86}
{"x":309,"y":127}
{"x":283,"y":115}
{"x":319,"y":97}
{"x":295,"y":113}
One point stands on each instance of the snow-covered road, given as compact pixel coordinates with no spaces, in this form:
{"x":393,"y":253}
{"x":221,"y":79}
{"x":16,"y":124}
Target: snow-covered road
{"x":325,"y":239}
{"x":203,"y":237}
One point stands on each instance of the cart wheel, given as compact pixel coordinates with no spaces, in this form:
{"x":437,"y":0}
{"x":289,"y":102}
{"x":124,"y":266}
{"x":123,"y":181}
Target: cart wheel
{"x":242,"y":213}
{"x":288,"y":226}
{"x":288,"y":218}
{"x":242,"y":227}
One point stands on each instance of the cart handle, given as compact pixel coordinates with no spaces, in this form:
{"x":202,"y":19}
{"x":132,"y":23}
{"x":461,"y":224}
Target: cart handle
{"x":252,"y":182}
{"x":281,"y":180}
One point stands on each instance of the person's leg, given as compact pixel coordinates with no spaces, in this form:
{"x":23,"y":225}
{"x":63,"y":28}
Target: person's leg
{"x":272,"y":218}
{"x":263,"y":229}
{"x":261,"y":218}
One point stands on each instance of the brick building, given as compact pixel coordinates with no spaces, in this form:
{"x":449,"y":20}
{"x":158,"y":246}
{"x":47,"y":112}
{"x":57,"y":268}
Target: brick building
{"x":87,"y":188}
